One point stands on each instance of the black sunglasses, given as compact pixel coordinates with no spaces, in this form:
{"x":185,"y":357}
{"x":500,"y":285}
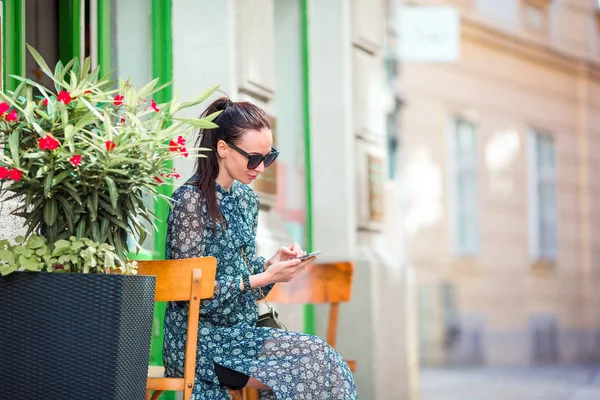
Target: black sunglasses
{"x":254,"y":160}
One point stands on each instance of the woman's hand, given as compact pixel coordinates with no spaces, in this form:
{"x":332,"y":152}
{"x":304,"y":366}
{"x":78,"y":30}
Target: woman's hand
{"x":285,"y":253}
{"x":285,"y":271}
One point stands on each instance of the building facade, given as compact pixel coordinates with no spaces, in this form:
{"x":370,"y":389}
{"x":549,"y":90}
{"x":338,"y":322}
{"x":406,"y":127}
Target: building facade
{"x":499,"y":154}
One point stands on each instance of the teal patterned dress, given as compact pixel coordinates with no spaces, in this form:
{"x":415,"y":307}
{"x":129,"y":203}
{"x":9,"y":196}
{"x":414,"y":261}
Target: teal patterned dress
{"x":293,"y":365}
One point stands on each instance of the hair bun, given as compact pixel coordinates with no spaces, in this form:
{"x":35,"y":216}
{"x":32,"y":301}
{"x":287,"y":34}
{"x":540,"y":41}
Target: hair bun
{"x":226,"y":103}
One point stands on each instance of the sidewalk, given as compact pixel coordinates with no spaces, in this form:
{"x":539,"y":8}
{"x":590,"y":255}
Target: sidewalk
{"x":511,"y":383}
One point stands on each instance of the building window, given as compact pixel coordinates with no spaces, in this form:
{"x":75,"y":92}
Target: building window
{"x":542,"y":193}
{"x":536,"y":16}
{"x":464,"y":189}
{"x":505,"y":12}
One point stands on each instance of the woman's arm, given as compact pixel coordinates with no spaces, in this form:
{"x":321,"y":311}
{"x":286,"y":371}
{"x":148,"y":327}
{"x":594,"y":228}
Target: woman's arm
{"x":258,"y":278}
{"x":184,"y":240}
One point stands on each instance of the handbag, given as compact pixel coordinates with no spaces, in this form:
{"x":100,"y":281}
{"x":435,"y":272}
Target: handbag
{"x":270,"y":319}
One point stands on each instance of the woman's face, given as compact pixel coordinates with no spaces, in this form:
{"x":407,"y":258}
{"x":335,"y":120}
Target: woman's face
{"x":236,"y":164}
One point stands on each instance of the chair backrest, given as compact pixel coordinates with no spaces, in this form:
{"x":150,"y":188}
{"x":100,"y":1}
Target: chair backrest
{"x":174,"y":277}
{"x":190,"y":279}
{"x":319,"y":283}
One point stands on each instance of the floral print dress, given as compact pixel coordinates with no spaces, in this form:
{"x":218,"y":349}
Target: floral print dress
{"x":293,"y":365}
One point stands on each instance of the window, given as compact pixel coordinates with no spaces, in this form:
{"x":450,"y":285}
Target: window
{"x":502,"y":11}
{"x":464,"y":189}
{"x":542,"y":193}
{"x":536,"y":17}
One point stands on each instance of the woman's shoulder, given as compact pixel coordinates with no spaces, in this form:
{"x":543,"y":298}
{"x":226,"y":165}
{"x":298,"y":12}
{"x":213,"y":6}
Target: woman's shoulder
{"x":186,"y":192}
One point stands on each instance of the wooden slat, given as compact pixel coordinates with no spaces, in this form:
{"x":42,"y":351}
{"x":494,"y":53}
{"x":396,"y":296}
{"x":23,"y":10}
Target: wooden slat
{"x":318,"y":283}
{"x":189,"y":368}
{"x":164,"y":384}
{"x":332,"y":325}
{"x":173,"y":277}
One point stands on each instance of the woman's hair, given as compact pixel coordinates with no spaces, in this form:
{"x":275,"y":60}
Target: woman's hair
{"x":235,"y":119}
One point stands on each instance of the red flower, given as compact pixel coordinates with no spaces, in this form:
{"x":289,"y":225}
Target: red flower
{"x":15,"y":175}
{"x":45,"y":101}
{"x":158,"y":180}
{"x":109,"y":145}
{"x":49,"y":143}
{"x":153,"y":105}
{"x":75,"y":160}
{"x":118,"y":100}
{"x":179,"y":146}
{"x":64,"y":97}
{"x":59,"y":266}
{"x":4,"y":107}
{"x":11,"y":116}
{"x":174,"y":175}
{"x":123,"y":119}
{"x":3,"y":173}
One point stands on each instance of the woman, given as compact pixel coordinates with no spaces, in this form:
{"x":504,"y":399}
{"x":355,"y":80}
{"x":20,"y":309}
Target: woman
{"x":215,"y":214}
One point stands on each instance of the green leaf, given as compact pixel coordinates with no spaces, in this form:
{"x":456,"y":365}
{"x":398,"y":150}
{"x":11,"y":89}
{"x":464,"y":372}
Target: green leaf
{"x":80,"y":231}
{"x":30,"y":263}
{"x":72,"y":191}
{"x":92,"y":108}
{"x":48,"y":183}
{"x":108,"y":129}
{"x":34,"y":220}
{"x":7,"y":256}
{"x":50,"y":212}
{"x":67,"y":211}
{"x":33,"y":156}
{"x":147,"y":88}
{"x":92,"y":205}
{"x":198,"y":123}
{"x":40,"y":61}
{"x":104,"y":227}
{"x":112,"y":191}
{"x":123,"y":172}
{"x":13,"y":144}
{"x":5,"y":270}
{"x":114,"y":220}
{"x":200,"y":98}
{"x":60,"y":177}
{"x":35,"y":242}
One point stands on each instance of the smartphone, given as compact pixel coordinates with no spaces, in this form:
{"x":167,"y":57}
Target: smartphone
{"x":309,"y":255}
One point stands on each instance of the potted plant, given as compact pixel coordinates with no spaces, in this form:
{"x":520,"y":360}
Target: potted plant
{"x":83,"y":158}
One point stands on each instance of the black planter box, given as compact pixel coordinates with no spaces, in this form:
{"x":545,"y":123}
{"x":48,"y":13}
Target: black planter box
{"x":74,"y":336}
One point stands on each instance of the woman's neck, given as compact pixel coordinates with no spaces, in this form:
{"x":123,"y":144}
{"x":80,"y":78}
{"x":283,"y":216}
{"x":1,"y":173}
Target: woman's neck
{"x":224,"y":180}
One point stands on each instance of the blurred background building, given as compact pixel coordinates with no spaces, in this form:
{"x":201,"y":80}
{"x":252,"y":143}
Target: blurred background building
{"x":499,"y":153}
{"x":447,"y":151}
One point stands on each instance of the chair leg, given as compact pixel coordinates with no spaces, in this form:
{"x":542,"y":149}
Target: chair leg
{"x":251,"y":394}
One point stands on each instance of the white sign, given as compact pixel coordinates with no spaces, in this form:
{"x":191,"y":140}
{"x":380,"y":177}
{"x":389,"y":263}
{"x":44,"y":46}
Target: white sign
{"x":428,"y":34}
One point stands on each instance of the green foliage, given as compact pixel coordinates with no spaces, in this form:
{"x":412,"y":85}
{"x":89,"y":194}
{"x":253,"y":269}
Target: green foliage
{"x":90,"y":154}
{"x":73,"y":255}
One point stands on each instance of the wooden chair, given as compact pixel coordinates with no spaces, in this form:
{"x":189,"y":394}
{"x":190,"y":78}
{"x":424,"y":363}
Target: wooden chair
{"x":190,"y":280}
{"x":317,"y":284}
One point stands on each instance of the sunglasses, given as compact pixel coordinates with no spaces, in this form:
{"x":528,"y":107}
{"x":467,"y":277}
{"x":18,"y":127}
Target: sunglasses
{"x":254,"y":160}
